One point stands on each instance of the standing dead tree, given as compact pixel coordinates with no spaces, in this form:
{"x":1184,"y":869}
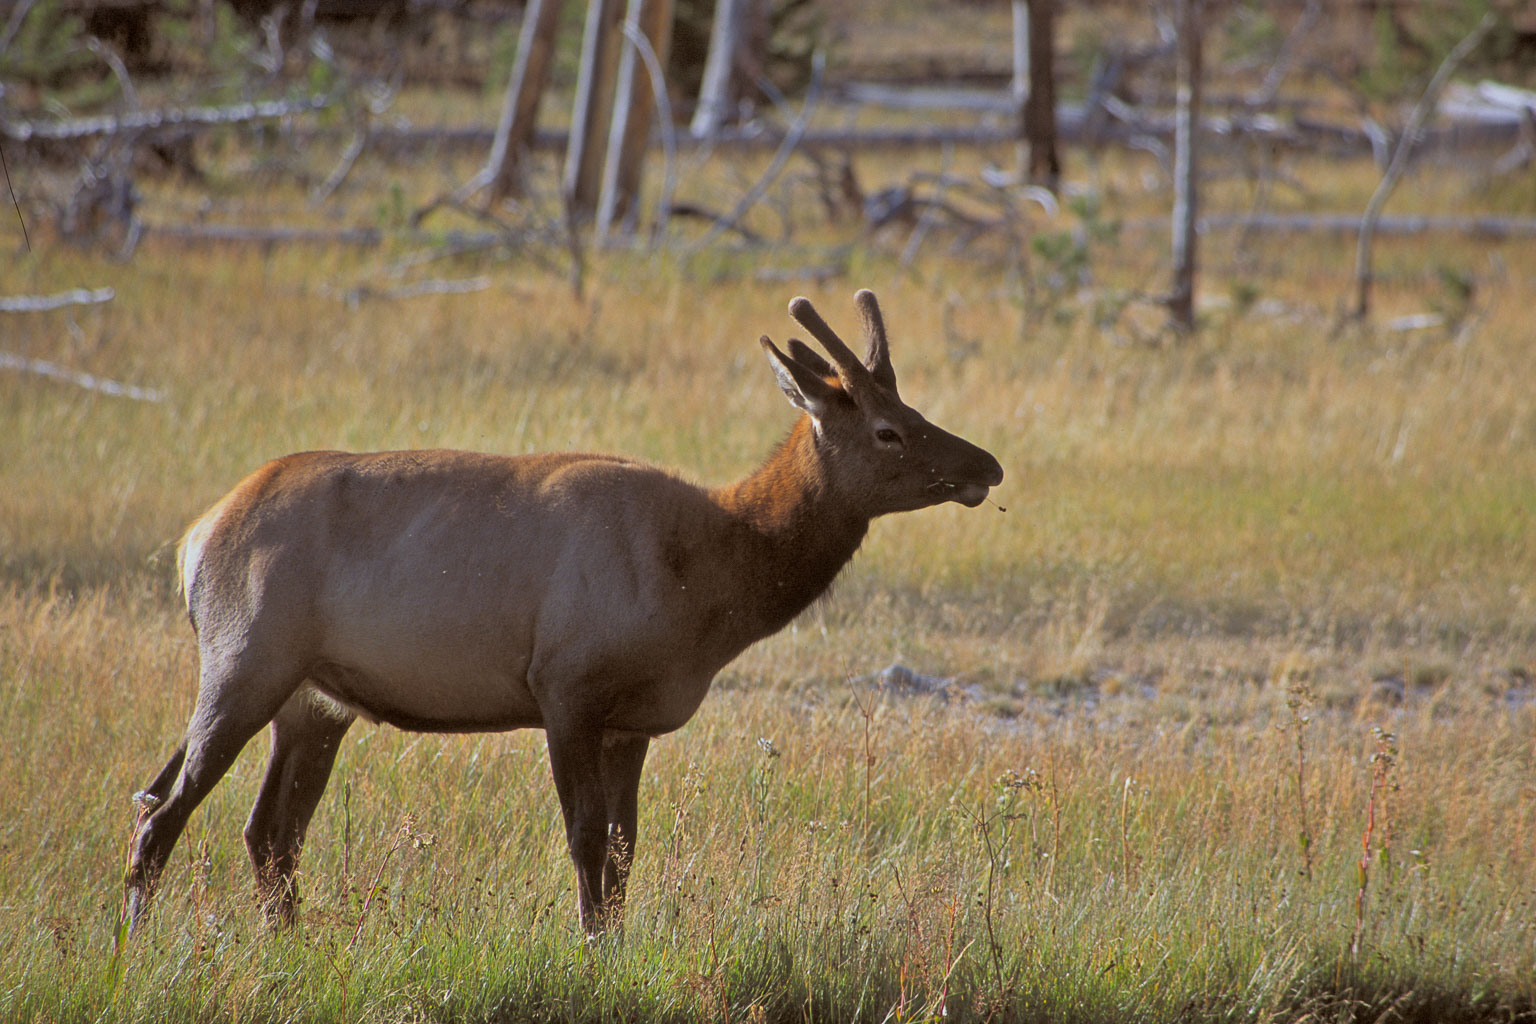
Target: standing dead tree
{"x":1186,"y":163}
{"x":520,"y":106}
{"x":1039,"y":107}
{"x":715,"y":93}
{"x":647,"y":26}
{"x":612,"y":113}
{"x":593,"y":108}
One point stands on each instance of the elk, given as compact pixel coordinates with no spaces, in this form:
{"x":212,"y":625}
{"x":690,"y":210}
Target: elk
{"x":592,"y":596}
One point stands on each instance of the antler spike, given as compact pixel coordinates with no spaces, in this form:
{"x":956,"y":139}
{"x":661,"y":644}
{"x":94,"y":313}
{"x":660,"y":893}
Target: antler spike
{"x":878,"y":359}
{"x":848,"y":366}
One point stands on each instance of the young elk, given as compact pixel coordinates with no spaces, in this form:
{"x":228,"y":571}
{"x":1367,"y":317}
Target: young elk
{"x":590,"y":596}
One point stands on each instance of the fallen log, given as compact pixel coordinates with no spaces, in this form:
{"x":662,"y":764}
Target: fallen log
{"x":89,"y":381}
{"x":79,"y":128}
{"x":43,"y":303}
{"x":1131,"y":126}
{"x":363,"y":237}
{"x":1495,"y":228}
{"x":1075,"y":126}
{"x":1490,"y":227}
{"x":356,"y":295}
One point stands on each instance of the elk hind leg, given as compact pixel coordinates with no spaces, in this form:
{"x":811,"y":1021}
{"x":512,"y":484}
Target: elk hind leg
{"x":306,"y":734}
{"x":219,"y":730}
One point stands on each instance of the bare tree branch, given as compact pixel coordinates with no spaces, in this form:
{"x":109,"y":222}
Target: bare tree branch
{"x":270,"y":235}
{"x":13,"y":23}
{"x":1524,"y":150}
{"x":1265,"y":94}
{"x":1420,"y":114}
{"x":332,"y":182}
{"x":786,"y":148}
{"x":119,"y":69}
{"x":629,"y":129}
{"x":931,"y":211}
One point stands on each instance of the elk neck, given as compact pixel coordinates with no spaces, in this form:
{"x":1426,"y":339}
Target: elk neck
{"x":799,"y":533}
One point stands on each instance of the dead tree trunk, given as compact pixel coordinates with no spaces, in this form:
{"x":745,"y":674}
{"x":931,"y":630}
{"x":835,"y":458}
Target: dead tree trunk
{"x":633,"y":107}
{"x":1186,"y":163}
{"x":1040,"y":107}
{"x":1020,"y":89}
{"x":520,"y":108}
{"x":716,"y":94}
{"x":593,"y":109}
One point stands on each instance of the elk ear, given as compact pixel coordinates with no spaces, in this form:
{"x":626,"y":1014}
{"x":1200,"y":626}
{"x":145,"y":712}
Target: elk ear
{"x":801,"y":384}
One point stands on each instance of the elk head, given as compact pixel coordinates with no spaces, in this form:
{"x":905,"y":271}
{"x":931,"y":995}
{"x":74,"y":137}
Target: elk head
{"x":878,"y":451}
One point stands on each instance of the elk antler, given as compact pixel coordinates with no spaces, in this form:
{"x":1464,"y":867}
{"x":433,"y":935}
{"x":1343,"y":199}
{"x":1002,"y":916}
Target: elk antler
{"x":853,"y":373}
{"x":878,"y":359}
{"x":876,"y":365}
{"x":802,"y":352}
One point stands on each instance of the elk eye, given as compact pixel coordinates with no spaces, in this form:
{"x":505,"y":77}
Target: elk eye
{"x":885,"y":435}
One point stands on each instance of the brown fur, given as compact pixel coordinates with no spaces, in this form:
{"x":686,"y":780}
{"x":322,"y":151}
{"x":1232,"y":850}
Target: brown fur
{"x":592,"y":596}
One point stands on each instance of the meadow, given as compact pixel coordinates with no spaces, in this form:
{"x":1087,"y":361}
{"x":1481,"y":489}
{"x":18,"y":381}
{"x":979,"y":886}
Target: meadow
{"x":1227,"y":712}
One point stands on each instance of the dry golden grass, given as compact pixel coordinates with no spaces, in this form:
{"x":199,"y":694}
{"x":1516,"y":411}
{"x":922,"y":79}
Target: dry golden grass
{"x":1133,"y":856}
{"x":1285,"y":526}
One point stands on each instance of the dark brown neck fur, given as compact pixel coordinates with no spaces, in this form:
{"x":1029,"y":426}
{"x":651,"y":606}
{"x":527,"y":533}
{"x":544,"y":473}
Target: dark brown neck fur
{"x":799,"y":534}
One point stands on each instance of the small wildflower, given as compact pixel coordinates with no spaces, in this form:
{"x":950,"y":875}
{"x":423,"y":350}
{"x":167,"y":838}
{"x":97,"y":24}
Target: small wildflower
{"x":1028,"y":780}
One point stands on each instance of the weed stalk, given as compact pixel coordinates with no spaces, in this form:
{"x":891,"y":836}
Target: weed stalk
{"x":1383,"y":761}
{"x":762,"y":786}
{"x":1298,"y":698}
{"x":406,"y":833}
{"x":1002,"y":818}
{"x":1050,"y":871}
{"x":867,"y":714}
{"x":1125,"y":829}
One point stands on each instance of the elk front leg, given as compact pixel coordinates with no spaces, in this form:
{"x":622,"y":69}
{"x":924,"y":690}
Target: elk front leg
{"x":576,"y":760}
{"x":623,"y":759}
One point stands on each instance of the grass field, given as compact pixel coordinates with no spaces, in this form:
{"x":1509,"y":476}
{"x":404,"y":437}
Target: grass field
{"x":1240,"y":721}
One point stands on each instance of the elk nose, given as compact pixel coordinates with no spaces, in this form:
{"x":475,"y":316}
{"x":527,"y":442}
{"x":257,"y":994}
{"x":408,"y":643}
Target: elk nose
{"x":986,"y":469}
